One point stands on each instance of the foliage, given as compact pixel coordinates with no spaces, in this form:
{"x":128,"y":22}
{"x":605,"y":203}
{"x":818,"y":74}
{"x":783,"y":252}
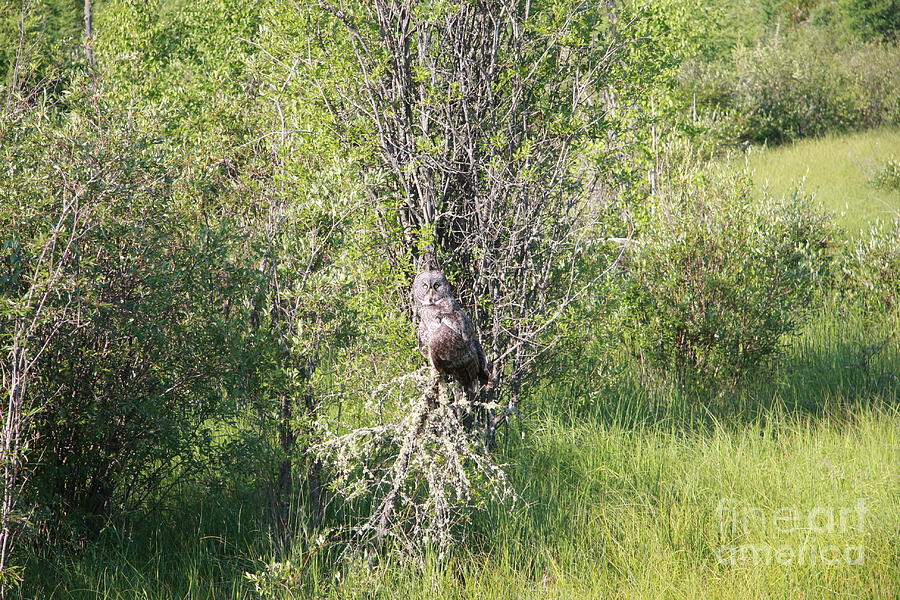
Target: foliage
{"x":37,"y":251}
{"x":872,"y":18}
{"x":799,"y":86}
{"x":716,"y":280}
{"x":276,"y":579}
{"x":870,"y":268}
{"x":888,"y":176}
{"x":151,"y":347}
{"x":186,"y":63}
{"x":40,"y":42}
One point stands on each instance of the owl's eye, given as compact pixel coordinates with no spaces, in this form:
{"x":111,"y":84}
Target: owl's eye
{"x":437,"y":286}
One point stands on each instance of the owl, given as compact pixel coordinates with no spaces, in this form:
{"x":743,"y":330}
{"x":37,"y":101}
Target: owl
{"x":447,"y":337}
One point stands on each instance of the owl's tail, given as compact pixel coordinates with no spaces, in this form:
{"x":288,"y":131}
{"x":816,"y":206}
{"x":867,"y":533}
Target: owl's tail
{"x":485,"y":379}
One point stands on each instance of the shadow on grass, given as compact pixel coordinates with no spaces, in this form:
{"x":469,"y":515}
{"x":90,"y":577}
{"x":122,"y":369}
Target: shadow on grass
{"x":198,"y":545}
{"x":840,"y":367}
{"x":841,"y":362}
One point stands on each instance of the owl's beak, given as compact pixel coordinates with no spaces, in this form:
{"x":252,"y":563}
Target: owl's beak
{"x":429,"y":294}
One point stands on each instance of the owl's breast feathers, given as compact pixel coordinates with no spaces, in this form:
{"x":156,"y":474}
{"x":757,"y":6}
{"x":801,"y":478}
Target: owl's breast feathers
{"x":447,"y":338}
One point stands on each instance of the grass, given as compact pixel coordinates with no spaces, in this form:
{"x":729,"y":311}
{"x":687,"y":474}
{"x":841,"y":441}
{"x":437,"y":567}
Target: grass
{"x":639,"y":496}
{"x":638,"y":493}
{"x":838,"y":169}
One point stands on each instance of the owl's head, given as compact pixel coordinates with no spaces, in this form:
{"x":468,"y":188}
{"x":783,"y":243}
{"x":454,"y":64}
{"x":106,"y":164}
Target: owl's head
{"x":429,"y":287}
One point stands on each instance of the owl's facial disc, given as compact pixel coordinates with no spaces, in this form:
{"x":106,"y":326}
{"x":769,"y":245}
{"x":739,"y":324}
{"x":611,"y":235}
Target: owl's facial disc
{"x":429,"y":288}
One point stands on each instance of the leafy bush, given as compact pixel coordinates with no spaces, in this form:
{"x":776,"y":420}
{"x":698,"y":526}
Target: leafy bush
{"x":149,"y":349}
{"x":888,"y":176}
{"x":717,"y":279}
{"x":872,"y":18}
{"x":807,"y":84}
{"x":870,"y":269}
{"x":40,"y":43}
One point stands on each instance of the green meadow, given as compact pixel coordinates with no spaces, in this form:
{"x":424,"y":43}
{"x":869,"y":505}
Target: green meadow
{"x":838,"y":169}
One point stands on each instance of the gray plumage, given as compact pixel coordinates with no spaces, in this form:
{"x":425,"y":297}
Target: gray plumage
{"x":446,"y":335}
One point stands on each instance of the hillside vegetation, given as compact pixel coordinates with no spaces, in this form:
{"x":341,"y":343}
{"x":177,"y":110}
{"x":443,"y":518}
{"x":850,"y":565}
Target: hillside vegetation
{"x":675,"y":226}
{"x":842,"y":171}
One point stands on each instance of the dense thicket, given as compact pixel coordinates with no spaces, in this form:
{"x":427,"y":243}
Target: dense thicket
{"x":149,"y":345}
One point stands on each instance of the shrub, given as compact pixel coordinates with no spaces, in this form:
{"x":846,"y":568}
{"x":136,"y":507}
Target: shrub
{"x":807,"y":84}
{"x":872,"y":18}
{"x":149,"y":351}
{"x":870,"y":269}
{"x":888,"y":176}
{"x":717,"y":279}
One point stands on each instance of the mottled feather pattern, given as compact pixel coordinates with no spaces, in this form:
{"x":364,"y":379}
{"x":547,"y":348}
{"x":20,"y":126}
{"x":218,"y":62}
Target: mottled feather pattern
{"x":447,"y":337}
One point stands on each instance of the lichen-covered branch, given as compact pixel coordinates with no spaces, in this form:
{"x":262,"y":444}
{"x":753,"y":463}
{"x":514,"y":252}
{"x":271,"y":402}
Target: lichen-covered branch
{"x":423,"y":475}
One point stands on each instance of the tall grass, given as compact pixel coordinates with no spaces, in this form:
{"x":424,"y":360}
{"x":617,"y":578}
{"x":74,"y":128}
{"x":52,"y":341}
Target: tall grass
{"x":838,"y":169}
{"x":631,"y":496}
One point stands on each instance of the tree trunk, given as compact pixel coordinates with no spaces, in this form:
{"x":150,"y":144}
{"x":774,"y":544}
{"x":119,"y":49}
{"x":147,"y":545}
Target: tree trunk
{"x":89,"y":31}
{"x":314,"y":477}
{"x":281,"y":498}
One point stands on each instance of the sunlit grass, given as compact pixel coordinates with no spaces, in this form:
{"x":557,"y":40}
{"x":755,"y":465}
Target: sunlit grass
{"x":634,"y":495}
{"x":838,"y":169}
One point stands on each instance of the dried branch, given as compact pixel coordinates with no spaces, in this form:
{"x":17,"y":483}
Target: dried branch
{"x":422,"y":474}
